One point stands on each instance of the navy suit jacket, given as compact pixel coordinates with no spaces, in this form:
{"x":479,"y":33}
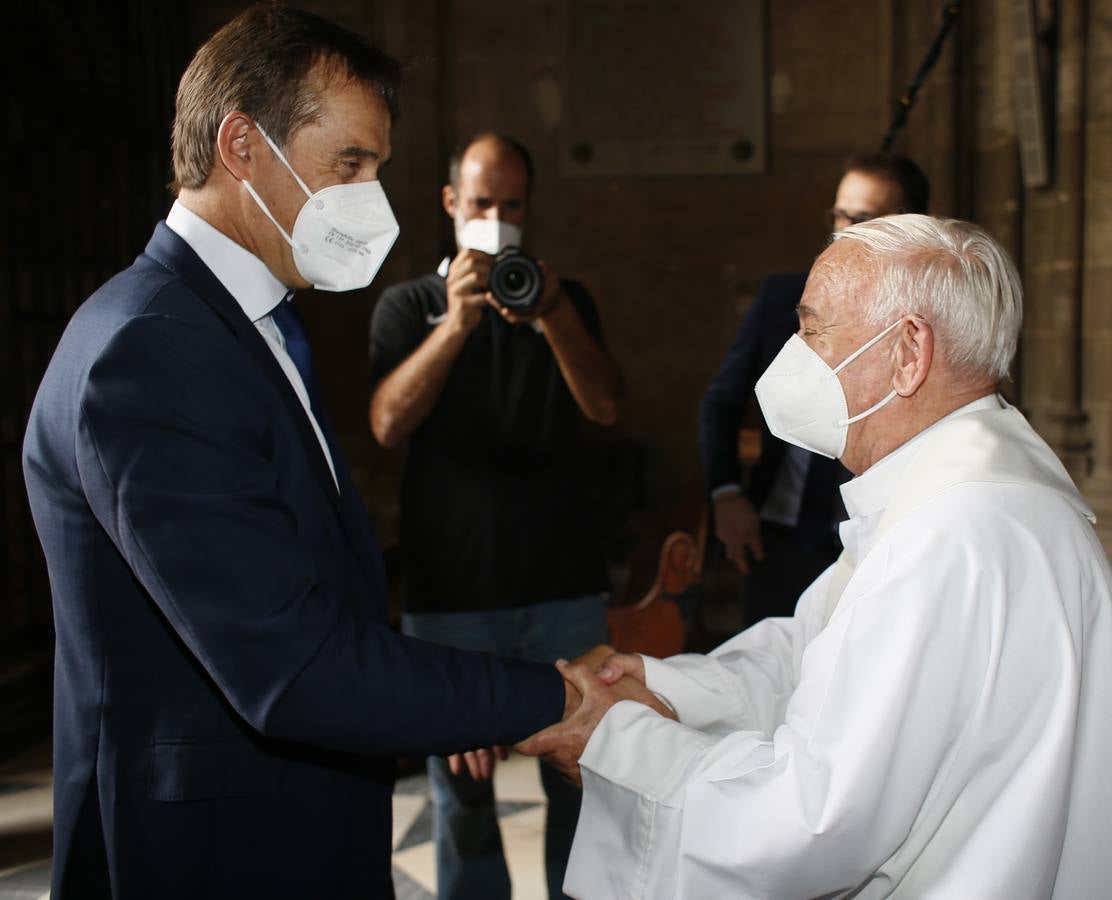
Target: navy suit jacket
{"x":228,"y":696}
{"x":771,"y":320}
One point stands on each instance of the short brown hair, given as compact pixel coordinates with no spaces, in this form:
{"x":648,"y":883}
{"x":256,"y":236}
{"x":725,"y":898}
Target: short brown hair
{"x":262,"y":63}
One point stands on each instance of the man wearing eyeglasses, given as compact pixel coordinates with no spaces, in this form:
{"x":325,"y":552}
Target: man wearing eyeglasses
{"x":778,"y":524}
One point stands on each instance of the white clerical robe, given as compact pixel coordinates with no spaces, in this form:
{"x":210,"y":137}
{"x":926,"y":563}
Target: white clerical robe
{"x":941,"y":726}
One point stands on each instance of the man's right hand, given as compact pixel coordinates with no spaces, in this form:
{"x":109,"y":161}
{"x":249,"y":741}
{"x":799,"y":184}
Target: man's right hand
{"x":624,"y":672}
{"x":479,"y":763}
{"x":739,"y":529}
{"x":468,"y":276}
{"x":563,"y":744}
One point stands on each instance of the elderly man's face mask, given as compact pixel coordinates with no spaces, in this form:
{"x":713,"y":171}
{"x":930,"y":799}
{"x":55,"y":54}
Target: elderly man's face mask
{"x":803,"y":401}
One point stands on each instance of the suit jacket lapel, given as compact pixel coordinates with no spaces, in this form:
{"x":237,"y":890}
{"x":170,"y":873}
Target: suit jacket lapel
{"x":171,"y":252}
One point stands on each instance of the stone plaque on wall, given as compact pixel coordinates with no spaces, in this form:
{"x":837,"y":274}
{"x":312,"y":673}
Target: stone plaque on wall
{"x":663,"y":87}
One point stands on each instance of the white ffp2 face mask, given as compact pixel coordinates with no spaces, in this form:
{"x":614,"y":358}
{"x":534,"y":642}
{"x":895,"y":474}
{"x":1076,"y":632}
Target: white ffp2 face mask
{"x":342,"y":233}
{"x":488,"y":235}
{"x":803,"y":401}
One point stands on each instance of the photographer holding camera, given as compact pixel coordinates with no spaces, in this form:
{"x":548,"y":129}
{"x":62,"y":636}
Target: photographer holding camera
{"x":486,"y":370}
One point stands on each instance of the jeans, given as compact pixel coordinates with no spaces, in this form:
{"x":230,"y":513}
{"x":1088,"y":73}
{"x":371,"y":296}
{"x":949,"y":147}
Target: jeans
{"x":470,"y":862}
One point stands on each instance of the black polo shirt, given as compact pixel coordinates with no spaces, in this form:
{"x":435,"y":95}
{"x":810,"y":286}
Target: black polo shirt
{"x":496,"y":505}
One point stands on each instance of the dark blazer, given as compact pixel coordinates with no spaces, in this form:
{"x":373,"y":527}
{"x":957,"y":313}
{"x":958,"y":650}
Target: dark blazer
{"x":771,"y":320}
{"x":227,"y":693}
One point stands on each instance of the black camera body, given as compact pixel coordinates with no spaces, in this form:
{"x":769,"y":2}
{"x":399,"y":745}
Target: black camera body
{"x":516,"y":281}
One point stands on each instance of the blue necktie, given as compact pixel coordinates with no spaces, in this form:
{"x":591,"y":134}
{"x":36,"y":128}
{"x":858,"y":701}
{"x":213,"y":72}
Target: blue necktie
{"x":290,"y":323}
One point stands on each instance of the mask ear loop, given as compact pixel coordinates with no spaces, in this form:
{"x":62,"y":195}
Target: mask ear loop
{"x":845,"y":362}
{"x":259,"y":200}
{"x":266,"y":212}
{"x":281,"y":156}
{"x":872,"y":409}
{"x":856,"y":353}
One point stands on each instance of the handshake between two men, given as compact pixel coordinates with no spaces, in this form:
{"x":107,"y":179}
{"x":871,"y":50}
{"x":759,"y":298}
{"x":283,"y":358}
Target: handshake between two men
{"x":593,"y":683}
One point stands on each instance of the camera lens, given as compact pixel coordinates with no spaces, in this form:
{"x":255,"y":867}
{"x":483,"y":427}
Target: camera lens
{"x":516,"y":280}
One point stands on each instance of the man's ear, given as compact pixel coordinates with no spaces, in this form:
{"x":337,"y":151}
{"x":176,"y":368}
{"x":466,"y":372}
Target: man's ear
{"x":911,"y":359}
{"x":237,"y":142}
{"x":448,"y":199}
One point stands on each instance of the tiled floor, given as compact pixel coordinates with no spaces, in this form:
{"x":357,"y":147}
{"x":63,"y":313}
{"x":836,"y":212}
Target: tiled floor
{"x":521,"y":806}
{"x":25,"y":816}
{"x":25,"y":811}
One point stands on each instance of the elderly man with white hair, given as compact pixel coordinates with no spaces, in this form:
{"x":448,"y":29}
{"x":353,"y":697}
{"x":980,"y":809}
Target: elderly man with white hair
{"x":936,"y":718}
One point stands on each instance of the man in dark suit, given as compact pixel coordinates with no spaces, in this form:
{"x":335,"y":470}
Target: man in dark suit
{"x":228,"y":696}
{"x":778,"y":525}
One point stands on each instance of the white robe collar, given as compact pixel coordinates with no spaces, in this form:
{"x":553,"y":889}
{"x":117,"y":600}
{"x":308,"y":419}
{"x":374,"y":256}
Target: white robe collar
{"x":986,"y":441}
{"x":867,"y":496}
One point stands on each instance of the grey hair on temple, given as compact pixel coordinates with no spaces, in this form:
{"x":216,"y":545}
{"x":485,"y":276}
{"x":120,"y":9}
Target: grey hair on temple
{"x":954,"y":275}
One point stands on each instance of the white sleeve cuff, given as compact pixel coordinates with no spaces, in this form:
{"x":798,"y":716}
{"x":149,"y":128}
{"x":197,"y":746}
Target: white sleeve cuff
{"x":696,"y":687}
{"x":617,"y":752}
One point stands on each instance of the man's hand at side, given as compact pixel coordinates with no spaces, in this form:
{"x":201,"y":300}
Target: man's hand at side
{"x":739,"y":529}
{"x":478,"y":763}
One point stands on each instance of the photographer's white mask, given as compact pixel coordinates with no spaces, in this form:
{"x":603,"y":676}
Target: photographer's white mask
{"x":342,"y":233}
{"x":487,"y":235}
{"x":803,"y":401}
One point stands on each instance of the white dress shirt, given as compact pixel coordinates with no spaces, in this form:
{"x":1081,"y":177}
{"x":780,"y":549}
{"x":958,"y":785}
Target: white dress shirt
{"x":944,"y":732}
{"x":254,"y":288}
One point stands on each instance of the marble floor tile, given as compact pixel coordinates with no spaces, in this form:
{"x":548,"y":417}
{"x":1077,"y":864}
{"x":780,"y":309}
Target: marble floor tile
{"x":407,"y":809}
{"x":521,"y":808}
{"x":523,"y":840}
{"x":518,"y":778}
{"x":30,"y":881}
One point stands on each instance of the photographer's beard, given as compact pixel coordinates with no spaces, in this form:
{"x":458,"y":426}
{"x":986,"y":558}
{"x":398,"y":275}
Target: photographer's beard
{"x":490,"y":236}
